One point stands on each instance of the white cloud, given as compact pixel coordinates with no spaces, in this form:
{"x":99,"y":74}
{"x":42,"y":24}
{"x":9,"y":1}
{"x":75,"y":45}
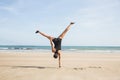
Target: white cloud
{"x":97,"y":14}
{"x":14,"y":7}
{"x":9,"y":9}
{"x":3,"y":20}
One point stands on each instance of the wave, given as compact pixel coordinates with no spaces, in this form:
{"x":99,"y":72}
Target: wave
{"x":64,"y":48}
{"x":72,"y":49}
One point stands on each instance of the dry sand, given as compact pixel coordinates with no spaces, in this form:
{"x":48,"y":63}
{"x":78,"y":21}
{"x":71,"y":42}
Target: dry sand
{"x":75,"y":66}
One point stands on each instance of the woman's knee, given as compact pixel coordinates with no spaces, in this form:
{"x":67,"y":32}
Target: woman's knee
{"x":49,"y":37}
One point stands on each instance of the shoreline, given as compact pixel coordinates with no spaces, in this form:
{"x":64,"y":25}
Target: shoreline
{"x":63,"y":51}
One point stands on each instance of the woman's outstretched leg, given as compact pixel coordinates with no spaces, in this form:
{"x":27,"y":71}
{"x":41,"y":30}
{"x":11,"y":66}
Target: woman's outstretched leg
{"x":65,"y":31}
{"x":49,"y":37}
{"x":43,"y":34}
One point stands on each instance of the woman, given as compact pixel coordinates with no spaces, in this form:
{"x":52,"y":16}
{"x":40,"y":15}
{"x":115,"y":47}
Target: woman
{"x":56,"y":42}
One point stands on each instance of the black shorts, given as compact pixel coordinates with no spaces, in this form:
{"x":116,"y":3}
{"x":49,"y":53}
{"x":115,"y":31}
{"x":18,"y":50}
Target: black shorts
{"x":57,"y":43}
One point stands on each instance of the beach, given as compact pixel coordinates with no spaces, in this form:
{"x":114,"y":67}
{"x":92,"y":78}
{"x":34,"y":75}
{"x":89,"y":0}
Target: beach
{"x":35,"y":65}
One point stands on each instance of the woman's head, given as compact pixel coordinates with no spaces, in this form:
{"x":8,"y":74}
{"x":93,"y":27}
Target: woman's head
{"x":55,"y":55}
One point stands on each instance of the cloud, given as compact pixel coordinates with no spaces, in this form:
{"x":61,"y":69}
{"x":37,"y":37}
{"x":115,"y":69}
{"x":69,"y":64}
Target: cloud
{"x":100,"y":13}
{"x":3,"y":20}
{"x":13,"y":7}
{"x":9,"y":9}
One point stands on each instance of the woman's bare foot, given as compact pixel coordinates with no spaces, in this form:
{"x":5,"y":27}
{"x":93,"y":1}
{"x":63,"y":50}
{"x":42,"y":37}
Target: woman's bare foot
{"x":72,"y":23}
{"x":37,"y":31}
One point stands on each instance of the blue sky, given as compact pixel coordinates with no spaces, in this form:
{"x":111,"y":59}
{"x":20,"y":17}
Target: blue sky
{"x":97,"y":22}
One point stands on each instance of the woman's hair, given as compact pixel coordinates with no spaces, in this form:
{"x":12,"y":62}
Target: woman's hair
{"x":55,"y":55}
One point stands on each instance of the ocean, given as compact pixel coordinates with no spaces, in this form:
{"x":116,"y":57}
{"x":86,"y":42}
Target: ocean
{"x":64,"y":48}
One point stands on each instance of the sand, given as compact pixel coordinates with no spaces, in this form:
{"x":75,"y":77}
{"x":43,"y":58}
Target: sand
{"x":30,"y":65}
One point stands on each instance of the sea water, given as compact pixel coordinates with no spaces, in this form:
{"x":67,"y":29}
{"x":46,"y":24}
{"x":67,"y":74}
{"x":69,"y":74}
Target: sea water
{"x":64,"y":48}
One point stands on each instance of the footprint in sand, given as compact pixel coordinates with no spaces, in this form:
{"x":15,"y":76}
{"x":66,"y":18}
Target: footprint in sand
{"x":97,"y":67}
{"x":78,"y":68}
{"x":94,"y":67}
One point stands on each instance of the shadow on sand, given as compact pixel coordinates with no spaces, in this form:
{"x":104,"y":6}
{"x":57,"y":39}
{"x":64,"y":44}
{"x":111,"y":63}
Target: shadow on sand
{"x":35,"y":67}
{"x":41,"y":67}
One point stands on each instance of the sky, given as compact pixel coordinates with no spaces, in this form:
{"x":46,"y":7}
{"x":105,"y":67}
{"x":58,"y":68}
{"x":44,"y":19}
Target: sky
{"x":97,"y":22}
